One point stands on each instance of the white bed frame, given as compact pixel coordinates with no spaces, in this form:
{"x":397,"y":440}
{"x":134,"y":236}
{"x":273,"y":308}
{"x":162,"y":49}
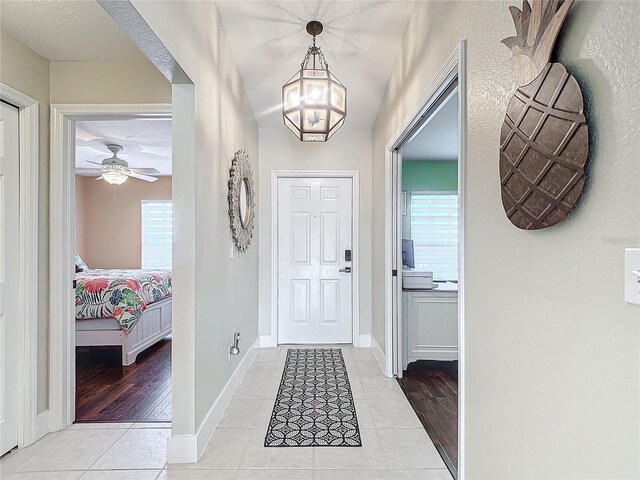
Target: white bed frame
{"x":154,"y":325}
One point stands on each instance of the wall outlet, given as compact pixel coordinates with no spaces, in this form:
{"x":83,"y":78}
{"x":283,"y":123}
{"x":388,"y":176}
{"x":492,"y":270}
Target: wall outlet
{"x":232,"y":249}
{"x":632,"y":275}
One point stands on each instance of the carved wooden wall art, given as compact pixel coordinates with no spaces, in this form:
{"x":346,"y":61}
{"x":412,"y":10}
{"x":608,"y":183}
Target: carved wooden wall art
{"x":242,"y":203}
{"x":544,"y":140}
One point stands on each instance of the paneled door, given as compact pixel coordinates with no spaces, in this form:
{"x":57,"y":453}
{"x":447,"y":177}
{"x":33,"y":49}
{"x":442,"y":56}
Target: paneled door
{"x":315,"y":225}
{"x":9,"y":272}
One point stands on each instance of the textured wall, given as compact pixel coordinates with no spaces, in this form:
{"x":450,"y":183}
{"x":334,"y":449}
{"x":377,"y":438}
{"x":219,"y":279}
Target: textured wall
{"x":24,"y":70}
{"x":552,"y":354}
{"x":109,"y":234}
{"x":347,"y":150}
{"x":225,"y":290}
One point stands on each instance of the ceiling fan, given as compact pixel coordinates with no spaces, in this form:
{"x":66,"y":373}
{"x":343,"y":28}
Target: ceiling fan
{"x":116,"y":171}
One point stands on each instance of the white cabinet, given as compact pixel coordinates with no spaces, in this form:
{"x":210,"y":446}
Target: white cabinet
{"x":430,"y":325}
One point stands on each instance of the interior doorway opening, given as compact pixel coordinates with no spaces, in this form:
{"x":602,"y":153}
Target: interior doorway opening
{"x":425,"y":329}
{"x":123,"y":272}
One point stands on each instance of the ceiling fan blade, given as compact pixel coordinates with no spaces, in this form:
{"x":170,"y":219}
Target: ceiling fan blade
{"x":145,"y":171}
{"x":95,"y":163}
{"x":100,"y":178}
{"x":88,"y":172}
{"x":146,"y":178}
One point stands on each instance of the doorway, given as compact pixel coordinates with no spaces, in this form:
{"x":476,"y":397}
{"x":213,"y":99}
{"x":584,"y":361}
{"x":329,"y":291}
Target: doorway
{"x":425,"y":218}
{"x":97,"y":332}
{"x":315,"y":252}
{"x":9,"y":271}
{"x":123,"y":176}
{"x":428,"y":372}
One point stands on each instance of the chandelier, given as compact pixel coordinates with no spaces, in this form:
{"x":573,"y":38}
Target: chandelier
{"x":314,"y":102}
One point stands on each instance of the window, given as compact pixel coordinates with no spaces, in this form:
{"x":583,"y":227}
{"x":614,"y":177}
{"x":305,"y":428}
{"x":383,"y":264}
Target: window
{"x":434,"y":230}
{"x":157,"y":233}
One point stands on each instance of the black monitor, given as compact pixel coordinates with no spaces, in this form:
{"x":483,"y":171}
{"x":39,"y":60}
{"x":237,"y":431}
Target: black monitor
{"x":407,"y":253}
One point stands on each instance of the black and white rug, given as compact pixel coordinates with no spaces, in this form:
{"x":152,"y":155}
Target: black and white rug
{"x":314,"y":406}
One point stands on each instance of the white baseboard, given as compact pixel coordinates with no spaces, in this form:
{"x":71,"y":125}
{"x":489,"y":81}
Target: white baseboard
{"x":42,"y":425}
{"x":189,"y":448}
{"x":267,"y":341}
{"x":364,"y":341}
{"x":436,"y":353}
{"x":379,"y":354}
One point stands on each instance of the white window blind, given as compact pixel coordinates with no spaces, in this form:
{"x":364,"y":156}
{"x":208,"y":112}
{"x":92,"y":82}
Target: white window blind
{"x":434,"y":231}
{"x":157,"y":233}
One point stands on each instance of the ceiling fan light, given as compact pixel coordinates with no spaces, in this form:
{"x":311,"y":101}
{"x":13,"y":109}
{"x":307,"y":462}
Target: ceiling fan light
{"x":115,"y":178}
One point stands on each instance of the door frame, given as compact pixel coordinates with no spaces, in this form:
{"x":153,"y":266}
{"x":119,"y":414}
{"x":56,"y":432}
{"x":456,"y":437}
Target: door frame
{"x":455,"y":66}
{"x":62,"y":378}
{"x":28,"y":291}
{"x":354,"y":175}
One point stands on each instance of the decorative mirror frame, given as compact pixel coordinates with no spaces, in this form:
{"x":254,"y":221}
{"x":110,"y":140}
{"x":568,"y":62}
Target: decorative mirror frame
{"x":242,"y":231}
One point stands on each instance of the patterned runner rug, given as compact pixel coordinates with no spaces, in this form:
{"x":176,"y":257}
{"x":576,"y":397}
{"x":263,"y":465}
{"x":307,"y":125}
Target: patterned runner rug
{"x":314,"y":406}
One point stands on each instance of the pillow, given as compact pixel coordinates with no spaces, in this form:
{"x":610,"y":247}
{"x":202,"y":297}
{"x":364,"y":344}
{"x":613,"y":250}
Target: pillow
{"x":80,"y":265}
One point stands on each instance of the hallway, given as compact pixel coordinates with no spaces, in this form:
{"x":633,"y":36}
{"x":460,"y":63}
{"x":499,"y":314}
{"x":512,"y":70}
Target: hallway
{"x":395,"y":445}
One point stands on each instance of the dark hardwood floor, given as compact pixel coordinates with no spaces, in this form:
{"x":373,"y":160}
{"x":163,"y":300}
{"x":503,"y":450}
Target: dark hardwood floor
{"x":432,"y":390}
{"x":108,"y":392}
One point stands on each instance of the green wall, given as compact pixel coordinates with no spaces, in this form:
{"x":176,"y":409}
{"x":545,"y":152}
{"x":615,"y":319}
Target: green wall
{"x":421,"y":175}
{"x":429,"y":175}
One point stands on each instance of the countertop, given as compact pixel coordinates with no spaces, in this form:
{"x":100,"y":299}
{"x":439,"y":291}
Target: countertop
{"x":438,"y":287}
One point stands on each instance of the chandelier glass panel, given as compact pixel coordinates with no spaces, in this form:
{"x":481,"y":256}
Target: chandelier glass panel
{"x":314,"y":101}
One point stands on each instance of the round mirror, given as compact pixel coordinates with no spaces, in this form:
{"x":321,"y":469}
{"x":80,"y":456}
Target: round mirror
{"x":241,"y":198}
{"x":244,"y":202}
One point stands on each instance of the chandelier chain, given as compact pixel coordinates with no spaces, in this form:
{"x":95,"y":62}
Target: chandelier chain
{"x":315,"y":52}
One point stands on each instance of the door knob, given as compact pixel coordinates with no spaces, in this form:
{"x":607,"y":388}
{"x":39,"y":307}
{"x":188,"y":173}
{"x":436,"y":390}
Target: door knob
{"x":345,"y":270}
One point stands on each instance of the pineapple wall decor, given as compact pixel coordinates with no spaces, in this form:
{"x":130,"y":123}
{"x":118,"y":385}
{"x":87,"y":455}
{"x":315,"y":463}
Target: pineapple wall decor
{"x":544,"y":140}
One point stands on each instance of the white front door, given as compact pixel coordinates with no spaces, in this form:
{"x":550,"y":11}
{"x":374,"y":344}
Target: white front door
{"x":9,"y":272}
{"x":315,"y":224}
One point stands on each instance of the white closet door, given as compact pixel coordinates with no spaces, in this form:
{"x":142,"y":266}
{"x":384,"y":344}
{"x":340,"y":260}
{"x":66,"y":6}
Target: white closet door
{"x":9,"y":272}
{"x":315,"y":224}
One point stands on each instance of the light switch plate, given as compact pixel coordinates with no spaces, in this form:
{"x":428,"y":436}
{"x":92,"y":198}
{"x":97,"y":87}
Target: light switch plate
{"x":231,"y":249}
{"x":631,"y":278}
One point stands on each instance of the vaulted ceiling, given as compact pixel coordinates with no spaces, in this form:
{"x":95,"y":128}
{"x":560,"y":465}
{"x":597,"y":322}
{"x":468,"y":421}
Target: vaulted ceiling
{"x":360,"y":41}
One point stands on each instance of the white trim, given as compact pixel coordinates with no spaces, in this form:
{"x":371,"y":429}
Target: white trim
{"x":455,"y":65}
{"x":43,"y":425}
{"x":364,"y":341}
{"x":267,"y":341}
{"x":28,"y":292}
{"x":62,"y":245}
{"x":189,"y":448}
{"x":462,"y":284}
{"x":355,"y":176}
{"x":378,"y":353}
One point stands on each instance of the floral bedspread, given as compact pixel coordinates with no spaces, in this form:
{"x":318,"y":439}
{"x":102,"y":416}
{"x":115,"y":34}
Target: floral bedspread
{"x":119,"y":294}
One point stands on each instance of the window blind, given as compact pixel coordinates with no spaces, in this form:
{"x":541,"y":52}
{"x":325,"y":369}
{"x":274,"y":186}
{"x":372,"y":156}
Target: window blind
{"x":157,"y":233}
{"x":434,"y":231}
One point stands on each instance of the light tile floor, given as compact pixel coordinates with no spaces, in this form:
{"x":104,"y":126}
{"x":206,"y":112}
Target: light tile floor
{"x":394,"y":444}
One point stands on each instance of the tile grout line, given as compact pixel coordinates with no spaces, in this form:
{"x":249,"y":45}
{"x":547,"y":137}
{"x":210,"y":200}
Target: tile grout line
{"x":106,"y":450}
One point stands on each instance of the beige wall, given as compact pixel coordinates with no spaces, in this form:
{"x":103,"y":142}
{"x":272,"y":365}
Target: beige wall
{"x":347,"y":150}
{"x":222,"y":292}
{"x":552,"y":354}
{"x":24,"y":70}
{"x":108,"y":82}
{"x":109,"y":234}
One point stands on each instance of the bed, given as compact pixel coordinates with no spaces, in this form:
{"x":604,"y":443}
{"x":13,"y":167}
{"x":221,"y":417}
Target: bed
{"x":127,"y":308}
